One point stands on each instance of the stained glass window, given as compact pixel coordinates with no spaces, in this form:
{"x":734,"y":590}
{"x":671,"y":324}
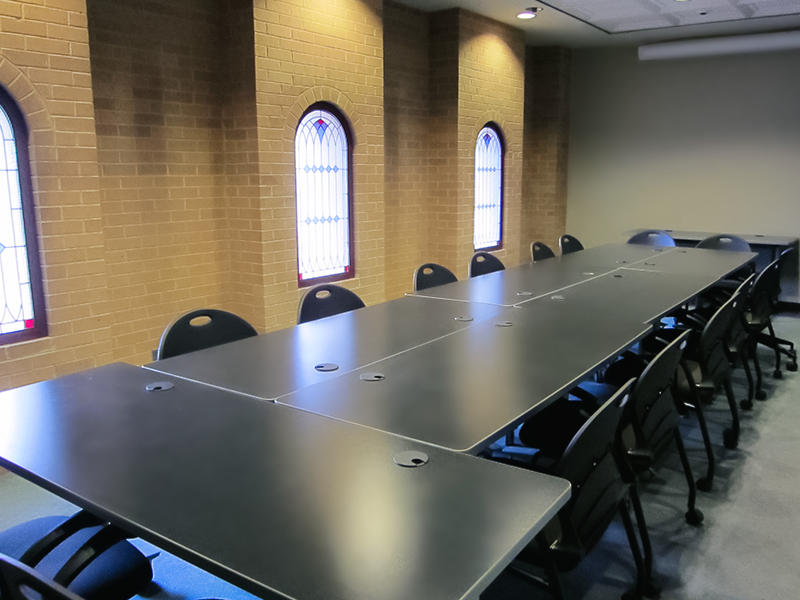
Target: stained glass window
{"x":488,"y":190}
{"x":21,"y":300}
{"x":322,"y":179}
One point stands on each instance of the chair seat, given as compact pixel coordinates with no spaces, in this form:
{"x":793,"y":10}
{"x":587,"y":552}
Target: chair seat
{"x":116,"y":574}
{"x":704,"y":386}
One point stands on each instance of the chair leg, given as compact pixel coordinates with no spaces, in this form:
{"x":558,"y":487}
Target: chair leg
{"x":553,"y":579}
{"x":693,"y":516}
{"x":786,"y":347}
{"x":730,"y":435}
{"x":747,"y":404}
{"x":760,"y":393}
{"x":638,"y":592}
{"x":773,"y":343}
{"x":651,"y":587}
{"x":704,"y":483}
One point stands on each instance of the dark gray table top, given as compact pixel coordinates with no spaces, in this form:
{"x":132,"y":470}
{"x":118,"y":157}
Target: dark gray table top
{"x":506,"y":288}
{"x":463,"y":391}
{"x":280,"y":502}
{"x":754,"y":239}
{"x":695,"y":261}
{"x":274,"y":364}
{"x":642,"y":296}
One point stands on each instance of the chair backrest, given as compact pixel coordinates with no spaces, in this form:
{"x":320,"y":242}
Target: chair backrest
{"x":590,"y":465}
{"x":483,"y":263}
{"x":200,"y":329}
{"x":762,"y":298}
{"x":325,"y":301}
{"x":16,"y":576}
{"x":541,"y":251}
{"x":711,"y":346}
{"x":652,"y":237}
{"x":725,"y":241}
{"x":652,"y":406}
{"x":430,"y":275}
{"x":569,"y":244}
{"x":737,"y":334}
{"x":775,"y":290}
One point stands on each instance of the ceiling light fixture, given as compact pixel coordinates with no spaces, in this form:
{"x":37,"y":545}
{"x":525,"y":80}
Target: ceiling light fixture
{"x":530,"y":13}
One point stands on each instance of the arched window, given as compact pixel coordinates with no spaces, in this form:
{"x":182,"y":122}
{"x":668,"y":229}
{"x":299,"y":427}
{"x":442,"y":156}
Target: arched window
{"x":488,"y":190}
{"x":21,"y":296}
{"x":323,"y":180}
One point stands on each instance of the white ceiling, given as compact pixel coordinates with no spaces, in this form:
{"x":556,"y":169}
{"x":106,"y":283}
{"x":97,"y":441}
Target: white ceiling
{"x":659,"y":17}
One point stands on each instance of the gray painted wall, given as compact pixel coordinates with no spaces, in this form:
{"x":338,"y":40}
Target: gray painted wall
{"x":703,"y":144}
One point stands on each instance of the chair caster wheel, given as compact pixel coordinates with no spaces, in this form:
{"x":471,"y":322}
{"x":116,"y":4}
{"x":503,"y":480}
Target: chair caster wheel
{"x":703,"y":484}
{"x":746,"y":405}
{"x":694,"y":517}
{"x":651,"y":589}
{"x":761,"y":395}
{"x":791,"y":367}
{"x":777,"y":374}
{"x":729,"y":440}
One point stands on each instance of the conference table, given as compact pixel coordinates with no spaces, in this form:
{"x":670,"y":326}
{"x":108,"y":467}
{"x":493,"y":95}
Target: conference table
{"x":280,"y":502}
{"x":768,"y":248}
{"x":334,"y":459}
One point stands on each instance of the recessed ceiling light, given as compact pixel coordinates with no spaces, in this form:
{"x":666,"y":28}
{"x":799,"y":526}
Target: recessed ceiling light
{"x":530,"y":13}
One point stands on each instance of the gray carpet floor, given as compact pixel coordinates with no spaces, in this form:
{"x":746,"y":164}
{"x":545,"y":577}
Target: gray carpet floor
{"x":748,"y":547}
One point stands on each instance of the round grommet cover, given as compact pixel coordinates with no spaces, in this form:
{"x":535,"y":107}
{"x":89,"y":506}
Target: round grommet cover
{"x":326,"y":367}
{"x":159,"y":386}
{"x":464,"y":319}
{"x":372,"y":377}
{"x":503,"y":324}
{"x":411,"y":459}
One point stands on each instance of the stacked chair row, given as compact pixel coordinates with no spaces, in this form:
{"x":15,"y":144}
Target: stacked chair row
{"x":677,"y":370}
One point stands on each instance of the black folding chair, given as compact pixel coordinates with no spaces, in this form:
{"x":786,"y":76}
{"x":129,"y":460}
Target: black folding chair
{"x":599,"y":492}
{"x":569,"y":244}
{"x":201,"y":329}
{"x":431,"y":275}
{"x":541,"y":251}
{"x":651,"y":421}
{"x":652,"y":237}
{"x":325,"y":301}
{"x":483,"y":263}
{"x":82,"y":553}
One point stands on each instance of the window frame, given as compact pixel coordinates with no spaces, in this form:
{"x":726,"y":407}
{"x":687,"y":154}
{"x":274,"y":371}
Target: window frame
{"x":350,"y":273}
{"x":501,"y":140}
{"x":19,"y":128}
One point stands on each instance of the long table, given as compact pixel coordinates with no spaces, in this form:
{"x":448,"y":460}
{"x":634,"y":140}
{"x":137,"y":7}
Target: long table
{"x":283,"y":503}
{"x":277,"y":462}
{"x":768,"y":247}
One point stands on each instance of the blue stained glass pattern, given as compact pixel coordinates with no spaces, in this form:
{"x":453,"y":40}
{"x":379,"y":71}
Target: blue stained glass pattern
{"x":488,"y":189}
{"x":323,"y":203}
{"x":16,"y":300}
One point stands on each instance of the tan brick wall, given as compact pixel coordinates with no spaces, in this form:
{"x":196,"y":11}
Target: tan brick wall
{"x":164,"y":172}
{"x":544,"y":179}
{"x":246,"y":230}
{"x":305,"y":53}
{"x":443,"y":141}
{"x":406,"y":121}
{"x":44,"y":64}
{"x":155,"y":74}
{"x":477,"y":74}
